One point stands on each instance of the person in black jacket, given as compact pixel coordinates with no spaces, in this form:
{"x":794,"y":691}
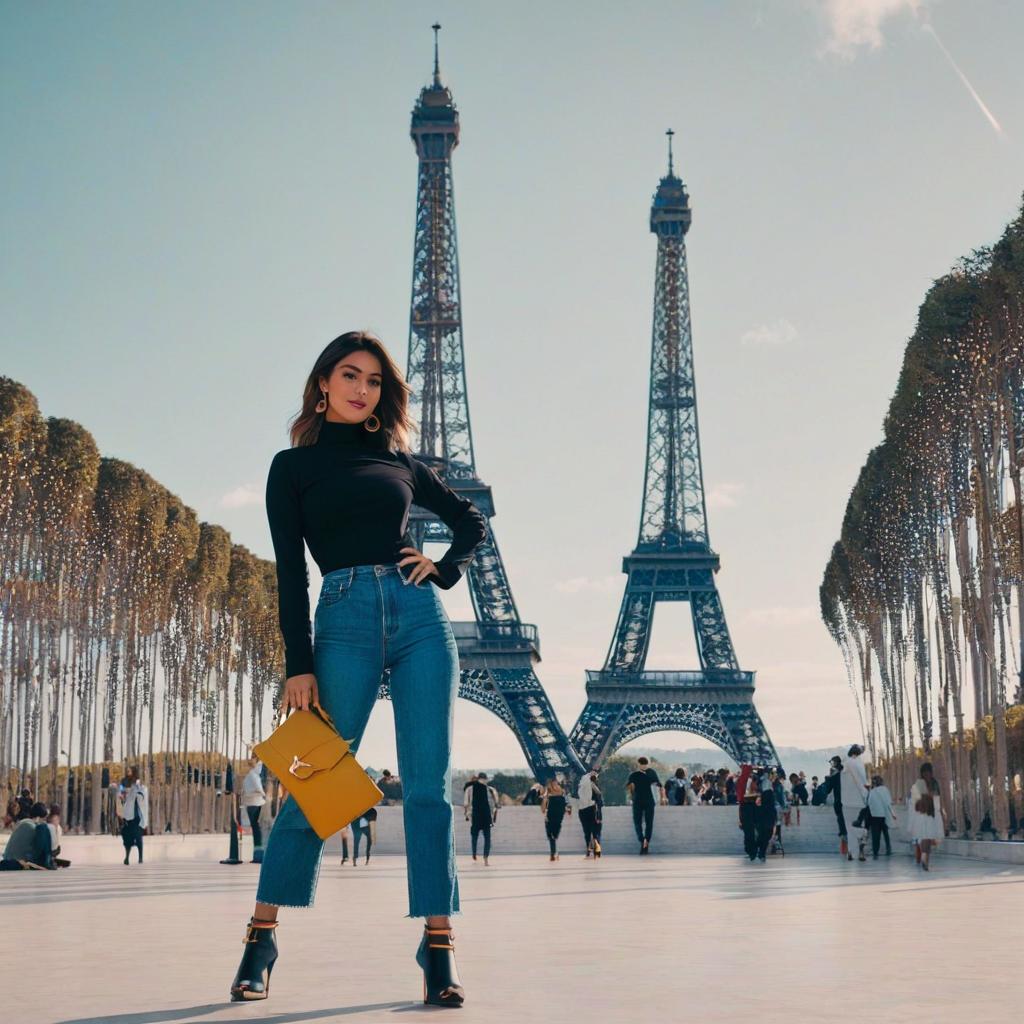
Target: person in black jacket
{"x":480,"y":802}
{"x":835,"y":791}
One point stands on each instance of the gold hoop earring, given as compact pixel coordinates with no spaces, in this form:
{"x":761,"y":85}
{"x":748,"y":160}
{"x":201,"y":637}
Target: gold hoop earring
{"x":321,"y":406}
{"x":366,"y":424}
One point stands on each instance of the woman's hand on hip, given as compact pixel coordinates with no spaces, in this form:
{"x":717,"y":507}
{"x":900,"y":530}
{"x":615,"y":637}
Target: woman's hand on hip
{"x":300,"y":692}
{"x":423,"y":565}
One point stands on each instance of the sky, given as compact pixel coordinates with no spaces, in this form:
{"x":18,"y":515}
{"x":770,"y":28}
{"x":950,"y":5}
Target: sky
{"x":196,"y":198}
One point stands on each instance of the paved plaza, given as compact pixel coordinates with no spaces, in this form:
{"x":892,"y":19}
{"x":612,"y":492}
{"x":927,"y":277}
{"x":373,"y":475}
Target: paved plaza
{"x":665,"y":938}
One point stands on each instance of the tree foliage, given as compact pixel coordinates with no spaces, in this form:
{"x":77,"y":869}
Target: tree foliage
{"x":923,"y":589}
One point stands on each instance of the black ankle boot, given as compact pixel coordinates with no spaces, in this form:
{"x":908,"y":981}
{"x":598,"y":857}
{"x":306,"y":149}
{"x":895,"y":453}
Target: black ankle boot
{"x":252,"y":980}
{"x":436,"y":956}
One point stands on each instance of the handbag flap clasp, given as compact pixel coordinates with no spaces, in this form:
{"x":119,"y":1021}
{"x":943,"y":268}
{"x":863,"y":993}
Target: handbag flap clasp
{"x":321,"y":758}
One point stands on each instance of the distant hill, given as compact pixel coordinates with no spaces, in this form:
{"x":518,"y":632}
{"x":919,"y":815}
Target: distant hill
{"x":794,"y":759}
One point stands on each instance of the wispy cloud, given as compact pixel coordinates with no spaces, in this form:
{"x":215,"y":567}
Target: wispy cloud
{"x":592,"y":584}
{"x":241,"y":496}
{"x":725,"y":495}
{"x":783,"y":615}
{"x":782,"y":332}
{"x":854,"y":25}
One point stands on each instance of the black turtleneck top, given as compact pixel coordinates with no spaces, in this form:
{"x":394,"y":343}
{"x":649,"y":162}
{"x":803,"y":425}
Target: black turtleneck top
{"x":349,"y":497}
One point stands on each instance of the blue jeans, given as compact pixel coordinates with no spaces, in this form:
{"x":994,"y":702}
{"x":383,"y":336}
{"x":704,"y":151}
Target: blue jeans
{"x":368,"y":619}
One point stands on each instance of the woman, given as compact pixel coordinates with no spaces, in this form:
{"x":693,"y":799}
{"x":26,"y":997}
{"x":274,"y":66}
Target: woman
{"x":56,"y":835}
{"x":554,"y":808}
{"x":590,"y":812}
{"x":834,"y":788}
{"x":133,"y":810}
{"x":854,"y":796}
{"x":254,"y":796}
{"x":925,"y":818}
{"x":345,"y":488}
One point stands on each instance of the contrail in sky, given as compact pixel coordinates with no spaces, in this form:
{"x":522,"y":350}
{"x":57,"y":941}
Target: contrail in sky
{"x":989,"y":116}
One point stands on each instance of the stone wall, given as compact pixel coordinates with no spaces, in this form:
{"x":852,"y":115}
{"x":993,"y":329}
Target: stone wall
{"x":695,"y":830}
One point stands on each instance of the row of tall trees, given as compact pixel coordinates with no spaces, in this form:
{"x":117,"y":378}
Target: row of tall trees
{"x":130,"y":632}
{"x":923,"y":590}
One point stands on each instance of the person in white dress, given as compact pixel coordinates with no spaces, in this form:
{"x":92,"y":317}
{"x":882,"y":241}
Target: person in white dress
{"x":926,"y":820}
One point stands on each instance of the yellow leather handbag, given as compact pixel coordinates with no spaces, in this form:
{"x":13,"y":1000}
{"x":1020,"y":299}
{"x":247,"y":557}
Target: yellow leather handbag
{"x":319,"y":771}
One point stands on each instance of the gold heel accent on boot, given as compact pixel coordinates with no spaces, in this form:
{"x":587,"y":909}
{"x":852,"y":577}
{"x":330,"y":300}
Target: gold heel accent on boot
{"x":436,"y":956}
{"x":252,"y":979}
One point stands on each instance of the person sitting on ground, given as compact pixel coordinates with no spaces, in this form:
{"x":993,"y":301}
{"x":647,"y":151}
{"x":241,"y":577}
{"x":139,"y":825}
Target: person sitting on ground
{"x":56,"y":836}
{"x":30,"y":843}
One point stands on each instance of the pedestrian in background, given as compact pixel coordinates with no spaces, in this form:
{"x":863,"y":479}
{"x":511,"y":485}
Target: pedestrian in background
{"x":480,"y":803}
{"x":855,"y":802}
{"x":925,"y":817}
{"x":133,"y":810}
{"x":641,"y":786}
{"x":364,"y":827}
{"x":881,"y":812}
{"x":253,"y":798}
{"x":834,"y":789}
{"x":554,"y":809}
{"x":589,"y":812}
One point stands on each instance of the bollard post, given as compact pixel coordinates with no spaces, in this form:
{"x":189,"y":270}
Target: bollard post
{"x":233,"y":857}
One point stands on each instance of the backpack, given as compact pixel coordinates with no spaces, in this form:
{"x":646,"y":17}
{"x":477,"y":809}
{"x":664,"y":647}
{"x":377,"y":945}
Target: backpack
{"x":820,"y":795}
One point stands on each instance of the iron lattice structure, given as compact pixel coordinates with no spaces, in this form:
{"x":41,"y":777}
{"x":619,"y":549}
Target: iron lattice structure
{"x":673,"y":559}
{"x":497,"y":651}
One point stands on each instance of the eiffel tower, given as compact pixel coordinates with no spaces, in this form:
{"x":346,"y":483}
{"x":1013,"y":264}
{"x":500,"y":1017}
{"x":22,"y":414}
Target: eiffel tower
{"x":673,"y":559}
{"x":497,"y":651}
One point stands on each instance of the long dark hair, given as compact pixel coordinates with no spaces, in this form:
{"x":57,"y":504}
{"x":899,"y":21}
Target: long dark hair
{"x":392,"y":409}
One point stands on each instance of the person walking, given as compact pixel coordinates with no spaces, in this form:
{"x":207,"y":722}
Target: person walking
{"x":854,"y":795}
{"x":364,"y":827}
{"x":767,"y":811}
{"x":480,"y":803}
{"x":554,"y":807}
{"x":345,"y":488}
{"x":133,"y":810}
{"x":881,"y":813}
{"x":590,"y":812}
{"x":834,"y":788}
{"x":253,"y":799}
{"x":641,"y":785}
{"x":748,"y":794}
{"x":781,"y":800}
{"x":925,"y":816}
